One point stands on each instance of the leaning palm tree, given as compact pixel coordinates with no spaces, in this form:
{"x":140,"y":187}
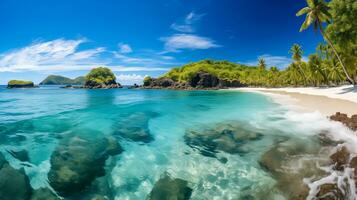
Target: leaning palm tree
{"x":317,"y":13}
{"x":297,"y":52}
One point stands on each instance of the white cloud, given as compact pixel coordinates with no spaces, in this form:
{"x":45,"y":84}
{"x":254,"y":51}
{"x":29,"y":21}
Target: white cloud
{"x":64,"y":55}
{"x":55,"y":54}
{"x":193,"y":17}
{"x":187,"y":25}
{"x":182,"y":28}
{"x":125,"y":48}
{"x":187,"y":41}
{"x":130,"y":79}
{"x":151,"y":60}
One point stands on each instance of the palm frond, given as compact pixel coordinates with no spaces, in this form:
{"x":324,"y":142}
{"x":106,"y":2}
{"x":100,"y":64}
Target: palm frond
{"x":303,"y":11}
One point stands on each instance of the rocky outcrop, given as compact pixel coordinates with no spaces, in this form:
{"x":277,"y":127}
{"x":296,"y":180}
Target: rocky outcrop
{"x":230,"y":138}
{"x":77,"y":161}
{"x":168,"y":188}
{"x":14,"y":184}
{"x":93,"y":85}
{"x":159,"y":83}
{"x":200,"y":80}
{"x":350,"y":122}
{"x":203,"y":80}
{"x":330,"y":191}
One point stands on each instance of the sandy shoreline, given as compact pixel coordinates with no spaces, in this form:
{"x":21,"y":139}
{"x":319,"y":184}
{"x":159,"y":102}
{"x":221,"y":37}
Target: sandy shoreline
{"x":327,"y":101}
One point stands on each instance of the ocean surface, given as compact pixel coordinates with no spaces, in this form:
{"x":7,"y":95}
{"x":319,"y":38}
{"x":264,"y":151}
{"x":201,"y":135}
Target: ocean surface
{"x":37,"y":120}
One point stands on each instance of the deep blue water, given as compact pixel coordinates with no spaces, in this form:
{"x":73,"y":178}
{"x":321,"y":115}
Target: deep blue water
{"x":38,"y":119}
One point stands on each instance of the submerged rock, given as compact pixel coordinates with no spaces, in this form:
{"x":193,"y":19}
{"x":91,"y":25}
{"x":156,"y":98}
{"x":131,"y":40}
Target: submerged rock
{"x":289,"y":162}
{"x":43,"y":194}
{"x":340,"y":158}
{"x":77,"y":161}
{"x":329,"y":191}
{"x":14,"y":184}
{"x":168,"y":188}
{"x":350,"y":122}
{"x":21,"y":155}
{"x":229,"y":138}
{"x":135,"y":127}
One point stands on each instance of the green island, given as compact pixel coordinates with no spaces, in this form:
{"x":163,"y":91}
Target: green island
{"x":20,"y":84}
{"x":101,"y":77}
{"x":61,"y":80}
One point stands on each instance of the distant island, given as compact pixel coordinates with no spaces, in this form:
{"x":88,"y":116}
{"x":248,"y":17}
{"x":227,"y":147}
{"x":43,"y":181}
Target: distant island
{"x":20,"y":84}
{"x":61,"y":80}
{"x":101,"y":78}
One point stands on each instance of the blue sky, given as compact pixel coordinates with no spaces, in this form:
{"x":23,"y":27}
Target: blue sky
{"x":137,"y":38}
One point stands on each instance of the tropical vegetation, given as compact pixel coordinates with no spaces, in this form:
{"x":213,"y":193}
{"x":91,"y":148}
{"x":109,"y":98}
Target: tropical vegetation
{"x":100,"y":75}
{"x":19,"y":83}
{"x":333,"y":63}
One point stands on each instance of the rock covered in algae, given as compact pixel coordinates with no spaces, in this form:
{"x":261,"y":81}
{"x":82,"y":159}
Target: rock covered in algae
{"x":77,"y":161}
{"x":135,"y":127}
{"x":227,"y":137}
{"x":43,"y":194}
{"x":167,"y":188}
{"x":14,"y":184}
{"x":289,"y":162}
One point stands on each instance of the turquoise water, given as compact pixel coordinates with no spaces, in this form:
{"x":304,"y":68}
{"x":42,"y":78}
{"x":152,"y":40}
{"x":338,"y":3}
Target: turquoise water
{"x":38,"y":119}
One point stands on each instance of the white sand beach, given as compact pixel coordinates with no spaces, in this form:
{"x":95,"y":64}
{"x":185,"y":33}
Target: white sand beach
{"x":327,"y":101}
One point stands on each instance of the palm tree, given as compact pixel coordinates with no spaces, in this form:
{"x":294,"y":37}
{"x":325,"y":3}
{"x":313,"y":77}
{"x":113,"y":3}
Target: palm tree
{"x":334,"y":70}
{"x":323,"y":51}
{"x":317,"y":71}
{"x":297,"y":52}
{"x":261,"y":64}
{"x":316,"y":14}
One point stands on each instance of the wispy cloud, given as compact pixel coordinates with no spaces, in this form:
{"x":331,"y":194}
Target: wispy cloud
{"x":64,"y":55}
{"x":186,"y":26}
{"x":182,"y":28}
{"x":177,"y":42}
{"x":50,"y":54}
{"x":124,"y":48}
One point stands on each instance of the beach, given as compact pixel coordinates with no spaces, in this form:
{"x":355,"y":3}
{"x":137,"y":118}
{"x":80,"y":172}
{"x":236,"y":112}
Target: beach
{"x":327,"y":101}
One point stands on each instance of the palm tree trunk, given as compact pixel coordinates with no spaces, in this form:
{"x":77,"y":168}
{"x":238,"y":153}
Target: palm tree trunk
{"x":338,"y":57}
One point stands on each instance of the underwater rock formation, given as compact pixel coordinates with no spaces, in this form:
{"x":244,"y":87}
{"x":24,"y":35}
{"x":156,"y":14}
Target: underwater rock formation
{"x":77,"y":161}
{"x":230,"y":138}
{"x":168,"y":188}
{"x":43,"y":194}
{"x":21,"y":155}
{"x":289,"y":162}
{"x":14,"y":184}
{"x":135,"y":127}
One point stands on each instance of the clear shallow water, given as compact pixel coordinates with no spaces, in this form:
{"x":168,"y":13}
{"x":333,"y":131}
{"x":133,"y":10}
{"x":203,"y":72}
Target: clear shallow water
{"x":37,"y":120}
